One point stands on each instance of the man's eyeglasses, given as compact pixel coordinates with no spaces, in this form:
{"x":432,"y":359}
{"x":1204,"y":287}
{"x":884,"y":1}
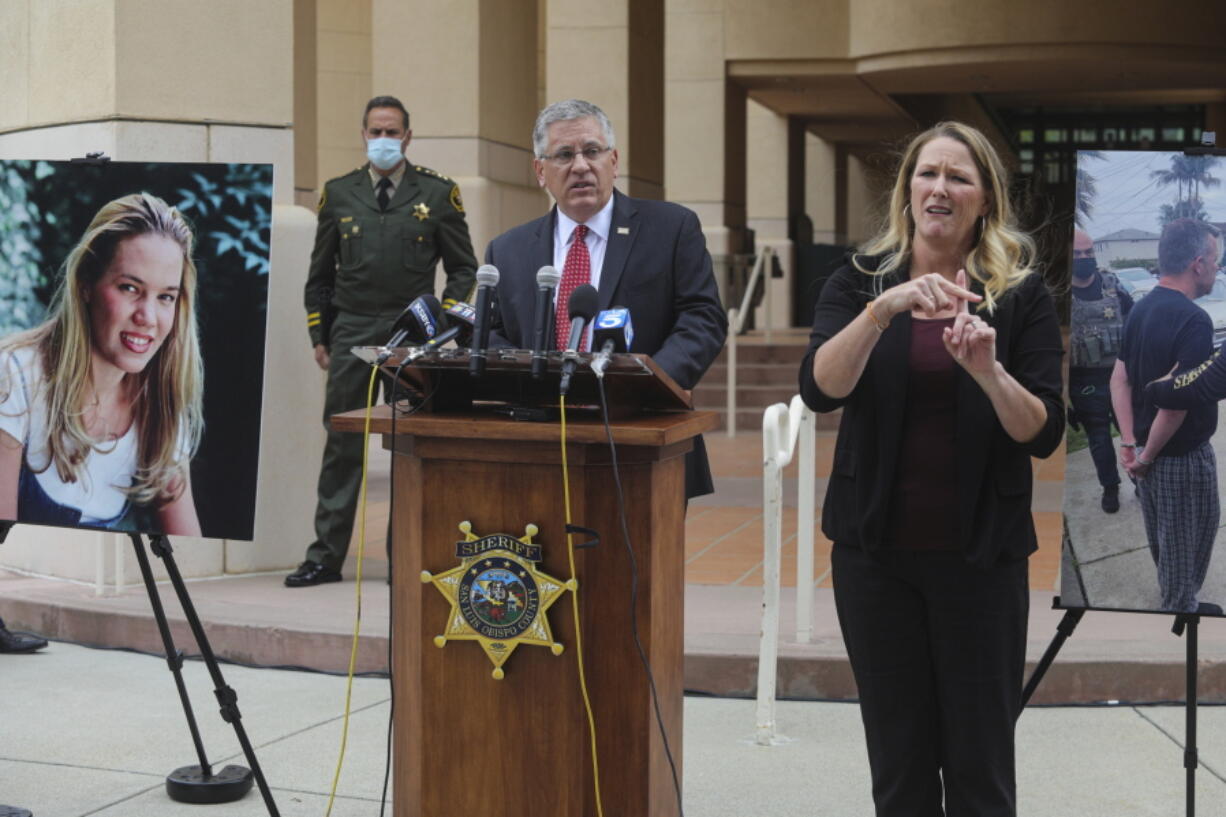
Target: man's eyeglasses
{"x":565,"y":156}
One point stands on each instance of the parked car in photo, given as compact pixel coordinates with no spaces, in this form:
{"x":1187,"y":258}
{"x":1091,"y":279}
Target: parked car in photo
{"x":1215,"y":304}
{"x":1136,"y":281}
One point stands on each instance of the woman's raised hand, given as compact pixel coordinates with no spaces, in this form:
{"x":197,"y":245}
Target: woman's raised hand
{"x":928,"y":294}
{"x":970,"y":341}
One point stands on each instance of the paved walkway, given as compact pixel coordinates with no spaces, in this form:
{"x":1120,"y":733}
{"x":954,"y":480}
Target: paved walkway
{"x":254,"y":619}
{"x":91,"y":733}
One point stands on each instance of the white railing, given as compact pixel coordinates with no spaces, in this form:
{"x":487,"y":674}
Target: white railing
{"x":782,"y":427}
{"x":736,"y":325}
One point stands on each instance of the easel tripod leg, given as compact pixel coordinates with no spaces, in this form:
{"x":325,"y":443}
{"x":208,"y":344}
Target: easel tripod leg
{"x":226,"y":695}
{"x":1190,"y":755}
{"x":174,"y":659}
{"x":1063,"y":630}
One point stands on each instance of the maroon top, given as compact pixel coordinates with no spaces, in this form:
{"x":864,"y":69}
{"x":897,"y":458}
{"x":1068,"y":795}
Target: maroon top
{"x":923,"y":505}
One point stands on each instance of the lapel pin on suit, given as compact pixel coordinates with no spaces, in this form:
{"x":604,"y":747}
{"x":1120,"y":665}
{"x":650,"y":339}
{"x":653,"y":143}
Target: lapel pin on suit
{"x":623,"y":231}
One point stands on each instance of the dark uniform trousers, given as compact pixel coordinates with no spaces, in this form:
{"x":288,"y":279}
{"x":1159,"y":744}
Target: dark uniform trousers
{"x":938,"y":647}
{"x":340,"y":474}
{"x":1089,"y":390}
{"x":374,"y":261}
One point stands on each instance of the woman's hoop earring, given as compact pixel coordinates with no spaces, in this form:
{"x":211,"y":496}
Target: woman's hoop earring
{"x":906,"y":211}
{"x":980,"y":223}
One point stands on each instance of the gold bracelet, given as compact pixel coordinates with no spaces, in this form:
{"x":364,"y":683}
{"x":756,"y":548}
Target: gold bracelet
{"x":868,"y":307}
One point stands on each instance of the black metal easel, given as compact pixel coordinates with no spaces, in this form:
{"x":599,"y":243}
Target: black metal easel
{"x":189,"y":784}
{"x":199,"y":784}
{"x":1187,"y":625}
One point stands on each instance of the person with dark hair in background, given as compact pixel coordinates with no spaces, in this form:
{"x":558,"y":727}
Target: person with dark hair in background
{"x":1099,"y":307}
{"x":382,"y":230}
{"x":1169,"y":451}
{"x":647,"y":256}
{"x":942,"y":346}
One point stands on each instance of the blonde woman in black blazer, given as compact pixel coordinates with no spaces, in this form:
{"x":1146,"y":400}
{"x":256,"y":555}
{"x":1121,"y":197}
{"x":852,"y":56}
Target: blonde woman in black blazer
{"x":942,"y":347}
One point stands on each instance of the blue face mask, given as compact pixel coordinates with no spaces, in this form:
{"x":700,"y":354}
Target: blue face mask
{"x":384,"y":152}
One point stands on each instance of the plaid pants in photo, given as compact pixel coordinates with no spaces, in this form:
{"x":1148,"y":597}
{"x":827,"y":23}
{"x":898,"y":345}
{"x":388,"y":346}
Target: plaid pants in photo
{"x":1179,"y":501}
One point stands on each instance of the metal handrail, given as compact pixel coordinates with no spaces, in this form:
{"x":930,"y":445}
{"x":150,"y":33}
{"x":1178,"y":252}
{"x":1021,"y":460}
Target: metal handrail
{"x":736,"y":325}
{"x":782,"y":428}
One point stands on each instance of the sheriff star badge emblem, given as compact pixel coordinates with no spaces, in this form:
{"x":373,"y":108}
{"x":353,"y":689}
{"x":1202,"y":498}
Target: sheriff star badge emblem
{"x":498,"y":598}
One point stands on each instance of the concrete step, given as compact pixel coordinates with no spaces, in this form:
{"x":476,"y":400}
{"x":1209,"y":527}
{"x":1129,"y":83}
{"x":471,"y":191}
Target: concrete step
{"x":715,"y":398}
{"x":750,"y":419}
{"x":760,"y":353}
{"x":754,"y":374}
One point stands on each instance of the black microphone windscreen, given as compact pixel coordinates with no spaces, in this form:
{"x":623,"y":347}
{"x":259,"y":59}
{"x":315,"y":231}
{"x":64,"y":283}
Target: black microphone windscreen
{"x":461,"y":317}
{"x":420,"y":319}
{"x":584,"y":302}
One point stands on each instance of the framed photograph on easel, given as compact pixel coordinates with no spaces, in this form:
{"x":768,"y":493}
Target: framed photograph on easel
{"x":133,"y":299}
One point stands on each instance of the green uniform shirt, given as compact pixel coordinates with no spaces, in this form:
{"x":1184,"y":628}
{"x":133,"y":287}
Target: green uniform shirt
{"x":374,"y":262}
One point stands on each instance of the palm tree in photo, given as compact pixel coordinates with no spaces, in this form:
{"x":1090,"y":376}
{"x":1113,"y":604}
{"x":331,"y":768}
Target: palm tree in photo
{"x":1188,"y":174}
{"x":1087,"y":188}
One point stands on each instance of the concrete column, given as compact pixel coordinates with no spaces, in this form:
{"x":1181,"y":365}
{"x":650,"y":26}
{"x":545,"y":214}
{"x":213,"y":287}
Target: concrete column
{"x":704,"y":125}
{"x":820,"y":189}
{"x":178,"y":80}
{"x":611,"y":53}
{"x":863,"y":216}
{"x":338,"y":70}
{"x":306,"y":98}
{"x":471,"y":87}
{"x":767,"y":211}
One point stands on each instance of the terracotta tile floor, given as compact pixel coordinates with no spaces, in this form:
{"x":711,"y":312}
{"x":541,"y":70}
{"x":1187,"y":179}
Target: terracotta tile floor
{"x":723,"y":533}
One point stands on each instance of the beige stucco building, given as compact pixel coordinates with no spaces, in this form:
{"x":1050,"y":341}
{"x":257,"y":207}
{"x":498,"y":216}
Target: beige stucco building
{"x":774,"y":115}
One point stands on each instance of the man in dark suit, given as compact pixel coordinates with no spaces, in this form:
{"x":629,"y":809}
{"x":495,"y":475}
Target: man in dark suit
{"x":647,"y":256}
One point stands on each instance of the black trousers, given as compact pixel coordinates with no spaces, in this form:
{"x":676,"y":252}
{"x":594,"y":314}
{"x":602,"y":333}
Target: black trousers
{"x":1089,"y":391}
{"x":938,"y":650}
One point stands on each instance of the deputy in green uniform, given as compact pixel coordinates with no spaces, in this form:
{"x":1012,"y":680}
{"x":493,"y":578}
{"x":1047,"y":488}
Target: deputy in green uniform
{"x":382,"y":230}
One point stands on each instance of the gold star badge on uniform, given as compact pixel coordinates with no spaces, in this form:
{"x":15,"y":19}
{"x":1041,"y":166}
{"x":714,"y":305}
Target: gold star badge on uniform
{"x":421,"y":211}
{"x":1108,"y":312}
{"x":498,"y":598}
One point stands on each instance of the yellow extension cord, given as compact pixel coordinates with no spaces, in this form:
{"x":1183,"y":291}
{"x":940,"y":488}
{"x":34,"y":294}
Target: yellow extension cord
{"x":357,"y":622}
{"x":570,"y":552}
{"x":357,"y":584}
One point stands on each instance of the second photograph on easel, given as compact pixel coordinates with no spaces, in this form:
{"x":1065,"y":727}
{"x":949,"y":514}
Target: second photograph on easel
{"x":133,"y":302}
{"x":1144,"y":485}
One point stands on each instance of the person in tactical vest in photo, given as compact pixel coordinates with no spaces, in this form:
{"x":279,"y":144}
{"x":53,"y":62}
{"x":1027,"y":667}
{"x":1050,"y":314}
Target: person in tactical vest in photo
{"x":1099,"y":307}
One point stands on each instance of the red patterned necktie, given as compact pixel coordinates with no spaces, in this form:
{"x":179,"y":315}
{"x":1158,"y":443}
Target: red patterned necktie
{"x":575,"y":272}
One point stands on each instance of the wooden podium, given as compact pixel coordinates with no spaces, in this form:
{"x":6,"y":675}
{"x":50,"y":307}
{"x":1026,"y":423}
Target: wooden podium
{"x":465,"y":743}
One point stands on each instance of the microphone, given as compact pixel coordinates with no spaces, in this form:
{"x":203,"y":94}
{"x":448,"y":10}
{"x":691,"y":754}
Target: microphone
{"x":487,"y":280}
{"x":612,"y":333}
{"x":461,"y":316}
{"x":418,"y":323}
{"x":547,"y":279}
{"x":581,"y":308}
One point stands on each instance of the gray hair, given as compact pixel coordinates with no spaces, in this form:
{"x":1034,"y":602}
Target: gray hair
{"x":565,"y":111}
{"x":1182,"y":242}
